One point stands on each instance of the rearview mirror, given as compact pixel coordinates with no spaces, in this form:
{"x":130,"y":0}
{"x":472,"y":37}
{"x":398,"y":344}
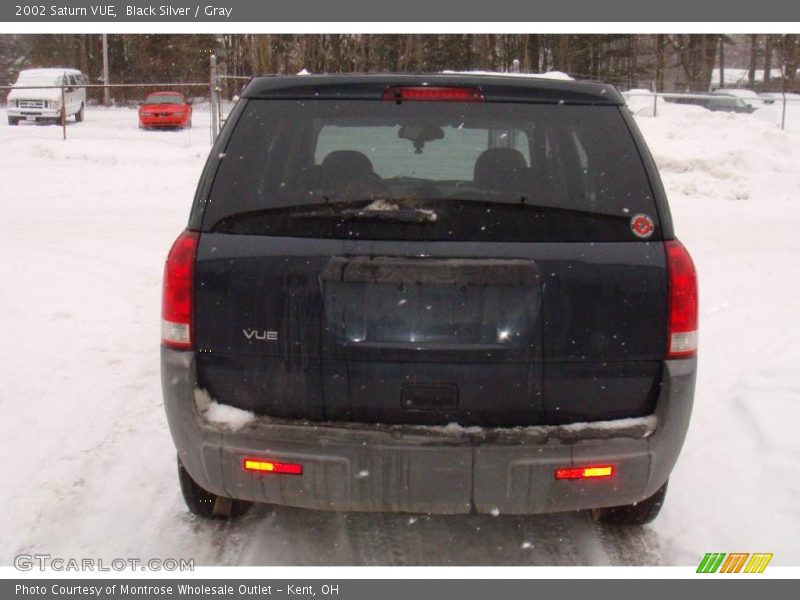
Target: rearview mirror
{"x":419,"y":135}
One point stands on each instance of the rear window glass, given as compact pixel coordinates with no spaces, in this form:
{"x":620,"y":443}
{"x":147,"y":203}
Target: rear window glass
{"x":430,"y":171}
{"x":164,"y":99}
{"x":451,"y":158}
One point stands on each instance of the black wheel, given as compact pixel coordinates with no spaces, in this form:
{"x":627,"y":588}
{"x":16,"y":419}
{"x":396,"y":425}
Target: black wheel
{"x":632,"y":514}
{"x":79,"y":115}
{"x":13,"y":120}
{"x":205,"y":504}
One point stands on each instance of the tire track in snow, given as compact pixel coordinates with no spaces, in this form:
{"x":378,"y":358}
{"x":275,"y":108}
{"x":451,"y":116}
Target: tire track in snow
{"x":561,"y":539}
{"x":382,"y":539}
{"x":278,"y":535}
{"x":629,"y":545}
{"x":288,"y":536}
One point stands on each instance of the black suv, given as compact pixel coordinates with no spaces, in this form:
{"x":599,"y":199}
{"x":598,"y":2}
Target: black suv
{"x":429,"y":293}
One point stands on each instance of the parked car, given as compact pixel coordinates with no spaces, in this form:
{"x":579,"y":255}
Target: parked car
{"x":778,"y":97}
{"x":429,"y":293}
{"x":165,"y":110}
{"x":726,"y":103}
{"x":716,"y":102}
{"x":749,"y":97}
{"x":37,"y":96}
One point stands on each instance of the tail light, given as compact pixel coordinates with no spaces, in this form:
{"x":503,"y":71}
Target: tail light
{"x":261,"y":465}
{"x":433,"y":94}
{"x":585,"y":472}
{"x":176,"y":305}
{"x":682,"y":330}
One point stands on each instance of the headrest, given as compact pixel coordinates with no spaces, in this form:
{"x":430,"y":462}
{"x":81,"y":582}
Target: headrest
{"x":348,"y":163}
{"x":500,"y":169}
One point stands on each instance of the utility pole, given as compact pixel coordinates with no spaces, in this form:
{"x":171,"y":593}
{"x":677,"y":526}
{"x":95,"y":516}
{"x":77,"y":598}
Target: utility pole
{"x":214,"y":97}
{"x":106,"y":95}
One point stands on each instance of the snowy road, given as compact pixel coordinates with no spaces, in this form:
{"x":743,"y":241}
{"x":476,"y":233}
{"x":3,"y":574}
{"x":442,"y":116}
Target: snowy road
{"x":302,"y":537}
{"x":88,"y":467}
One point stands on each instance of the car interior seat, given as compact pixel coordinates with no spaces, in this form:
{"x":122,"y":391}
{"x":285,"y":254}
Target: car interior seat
{"x":349,"y":175}
{"x":502,"y":169}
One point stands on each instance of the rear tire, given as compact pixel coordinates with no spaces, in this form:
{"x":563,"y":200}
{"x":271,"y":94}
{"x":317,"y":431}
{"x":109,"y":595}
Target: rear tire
{"x":13,"y":120}
{"x":79,"y":115}
{"x":205,"y":504}
{"x":632,"y":514}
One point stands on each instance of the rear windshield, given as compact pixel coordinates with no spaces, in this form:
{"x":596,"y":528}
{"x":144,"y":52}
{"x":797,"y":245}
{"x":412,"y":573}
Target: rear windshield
{"x":164,"y":99}
{"x":430,"y":171}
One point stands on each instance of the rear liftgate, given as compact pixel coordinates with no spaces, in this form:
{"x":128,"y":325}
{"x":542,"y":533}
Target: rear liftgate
{"x":432,"y":341}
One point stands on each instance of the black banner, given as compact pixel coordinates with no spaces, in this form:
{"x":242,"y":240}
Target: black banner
{"x":387,"y":589}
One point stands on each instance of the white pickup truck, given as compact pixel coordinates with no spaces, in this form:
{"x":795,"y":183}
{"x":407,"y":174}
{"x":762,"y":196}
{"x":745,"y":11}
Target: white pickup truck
{"x":37,"y":95}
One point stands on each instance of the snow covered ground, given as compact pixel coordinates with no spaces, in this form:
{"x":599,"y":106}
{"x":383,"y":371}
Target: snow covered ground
{"x":115,"y":124}
{"x":733,"y":182}
{"x":88,"y":464}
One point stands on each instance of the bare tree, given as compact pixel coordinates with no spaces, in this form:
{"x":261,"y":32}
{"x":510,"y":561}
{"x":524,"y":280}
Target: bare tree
{"x":660,"y":51}
{"x":627,"y":60}
{"x":768,"y":59}
{"x":790,"y":59}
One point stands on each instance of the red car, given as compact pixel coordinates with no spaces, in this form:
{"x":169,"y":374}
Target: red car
{"x":165,"y":109}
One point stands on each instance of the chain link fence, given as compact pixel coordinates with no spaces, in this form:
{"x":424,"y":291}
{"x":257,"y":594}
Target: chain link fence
{"x":225,"y":91}
{"x":79,"y":112}
{"x":780,"y":108}
{"x":231,"y":87}
{"x":119,"y":112}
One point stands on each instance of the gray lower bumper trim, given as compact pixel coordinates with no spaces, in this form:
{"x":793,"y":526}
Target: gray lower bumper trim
{"x":362,"y":468}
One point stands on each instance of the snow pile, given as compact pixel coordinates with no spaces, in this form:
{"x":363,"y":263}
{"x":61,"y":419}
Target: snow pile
{"x":382,"y":204}
{"x":227,"y":416}
{"x":453,"y":428}
{"x":124,"y":153}
{"x":638,"y":427}
{"x":385,"y":205}
{"x":546,"y":75}
{"x":642,"y":103}
{"x":712,"y":155}
{"x":774,"y":113}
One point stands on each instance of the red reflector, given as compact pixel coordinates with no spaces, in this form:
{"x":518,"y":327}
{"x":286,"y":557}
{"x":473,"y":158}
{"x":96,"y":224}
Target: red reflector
{"x":585,"y":472}
{"x":261,"y":465}
{"x":433,"y":94}
{"x":176,"y":305}
{"x":682,"y":329}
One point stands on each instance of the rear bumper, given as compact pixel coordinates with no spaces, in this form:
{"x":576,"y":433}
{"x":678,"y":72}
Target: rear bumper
{"x":163,"y":121}
{"x":430,"y":470}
